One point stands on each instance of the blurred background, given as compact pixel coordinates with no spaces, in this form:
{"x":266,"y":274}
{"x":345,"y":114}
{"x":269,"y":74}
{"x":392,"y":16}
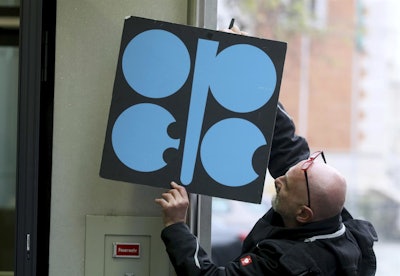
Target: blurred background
{"x":341,"y":86}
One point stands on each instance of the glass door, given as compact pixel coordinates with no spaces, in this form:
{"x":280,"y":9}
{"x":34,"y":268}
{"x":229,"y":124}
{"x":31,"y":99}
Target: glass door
{"x":9,"y":25}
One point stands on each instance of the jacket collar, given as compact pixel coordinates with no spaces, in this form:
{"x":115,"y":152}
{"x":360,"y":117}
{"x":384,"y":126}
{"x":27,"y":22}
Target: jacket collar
{"x":270,"y":226}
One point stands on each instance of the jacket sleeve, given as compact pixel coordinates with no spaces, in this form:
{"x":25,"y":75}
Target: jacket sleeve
{"x":185,"y":253}
{"x":188,"y":258}
{"x":287,"y":148}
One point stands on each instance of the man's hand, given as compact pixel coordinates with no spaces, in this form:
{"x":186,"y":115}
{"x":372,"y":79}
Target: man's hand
{"x":175,"y":204}
{"x":235,"y":30}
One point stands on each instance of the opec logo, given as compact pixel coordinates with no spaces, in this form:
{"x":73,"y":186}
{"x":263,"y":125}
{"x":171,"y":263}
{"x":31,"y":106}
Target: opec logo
{"x":195,"y":106}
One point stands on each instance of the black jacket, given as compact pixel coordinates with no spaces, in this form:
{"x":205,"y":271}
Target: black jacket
{"x":287,"y":148}
{"x":337,"y":246}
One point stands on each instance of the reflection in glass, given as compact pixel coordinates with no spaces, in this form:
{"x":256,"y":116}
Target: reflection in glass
{"x":8,"y":149}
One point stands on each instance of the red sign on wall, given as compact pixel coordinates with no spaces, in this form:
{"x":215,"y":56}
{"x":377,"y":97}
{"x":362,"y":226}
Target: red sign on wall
{"x":126,"y":250}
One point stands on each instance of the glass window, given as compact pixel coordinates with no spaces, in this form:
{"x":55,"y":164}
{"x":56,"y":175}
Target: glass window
{"x":8,"y":150}
{"x":9,"y":55}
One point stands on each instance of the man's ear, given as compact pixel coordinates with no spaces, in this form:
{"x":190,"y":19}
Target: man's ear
{"x":304,"y":214}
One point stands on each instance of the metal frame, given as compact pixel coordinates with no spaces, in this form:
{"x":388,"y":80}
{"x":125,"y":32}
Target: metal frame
{"x":36,"y":90}
{"x":201,"y":13}
{"x":28,"y":138}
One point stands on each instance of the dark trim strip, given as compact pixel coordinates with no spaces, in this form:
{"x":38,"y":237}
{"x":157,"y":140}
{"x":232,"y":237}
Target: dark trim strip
{"x":35,"y":136}
{"x":9,"y":37}
{"x":9,"y":11}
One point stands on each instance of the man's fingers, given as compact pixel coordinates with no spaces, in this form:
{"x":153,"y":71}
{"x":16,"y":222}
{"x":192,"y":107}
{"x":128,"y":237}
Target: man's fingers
{"x":166,"y":199}
{"x":182,"y":191}
{"x":177,"y":196}
{"x":174,"y":204}
{"x":161,"y":201}
{"x":235,"y":29}
{"x":228,"y":31}
{"x":174,"y":184}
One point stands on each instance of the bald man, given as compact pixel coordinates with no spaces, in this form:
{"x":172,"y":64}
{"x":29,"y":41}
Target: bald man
{"x":306,"y":232}
{"x":327,"y":193}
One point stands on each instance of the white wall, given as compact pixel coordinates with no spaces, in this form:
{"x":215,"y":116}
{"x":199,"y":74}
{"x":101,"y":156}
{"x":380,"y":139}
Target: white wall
{"x":87,"y":44}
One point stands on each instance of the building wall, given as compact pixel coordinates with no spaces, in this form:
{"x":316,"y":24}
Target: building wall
{"x":87,"y":44}
{"x":320,"y":99}
{"x":318,"y":88}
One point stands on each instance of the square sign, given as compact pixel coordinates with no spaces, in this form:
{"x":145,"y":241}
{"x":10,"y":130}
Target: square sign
{"x":195,"y":106}
{"x":126,"y":250}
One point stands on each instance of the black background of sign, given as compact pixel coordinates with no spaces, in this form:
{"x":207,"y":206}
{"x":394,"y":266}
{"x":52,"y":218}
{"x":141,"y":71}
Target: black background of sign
{"x":178,"y":105}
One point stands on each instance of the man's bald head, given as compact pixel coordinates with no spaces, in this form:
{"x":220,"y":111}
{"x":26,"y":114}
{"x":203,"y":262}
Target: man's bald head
{"x":327,"y":194}
{"x":327,"y":190}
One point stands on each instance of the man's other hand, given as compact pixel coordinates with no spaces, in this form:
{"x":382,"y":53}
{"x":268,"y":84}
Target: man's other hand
{"x":175,"y":204}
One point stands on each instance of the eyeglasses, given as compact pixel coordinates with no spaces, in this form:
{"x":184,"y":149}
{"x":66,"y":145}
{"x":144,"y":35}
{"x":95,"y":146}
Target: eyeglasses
{"x":306,"y":165}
